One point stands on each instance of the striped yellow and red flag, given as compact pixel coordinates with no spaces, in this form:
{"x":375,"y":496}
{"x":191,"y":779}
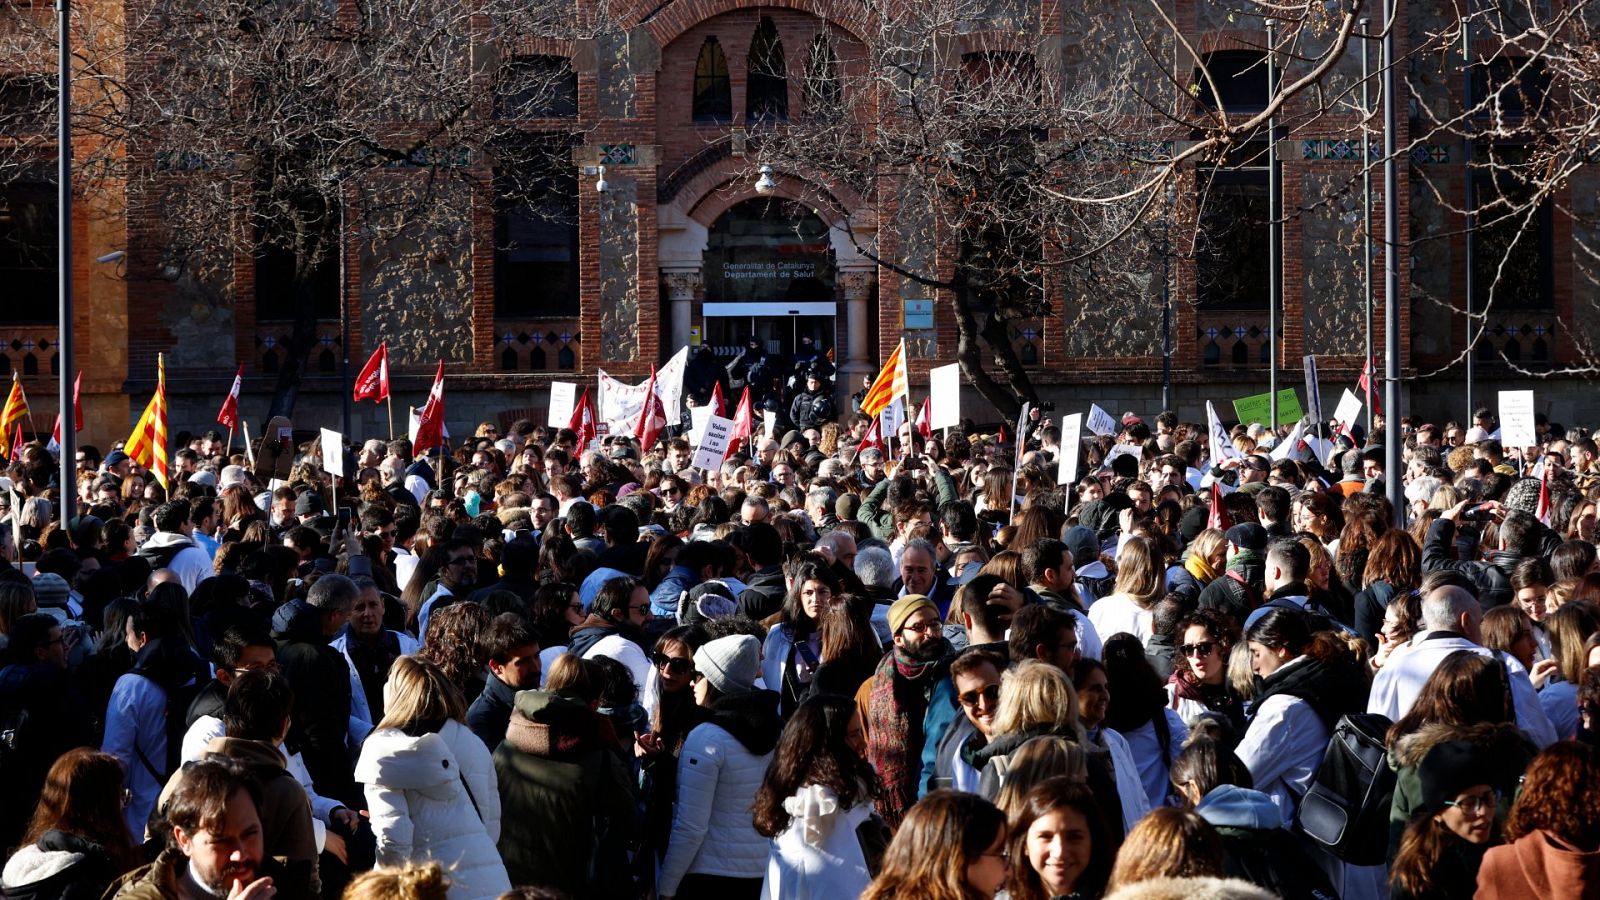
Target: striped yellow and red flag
{"x":892,"y":382}
{"x":11,"y":416}
{"x":147,"y":445}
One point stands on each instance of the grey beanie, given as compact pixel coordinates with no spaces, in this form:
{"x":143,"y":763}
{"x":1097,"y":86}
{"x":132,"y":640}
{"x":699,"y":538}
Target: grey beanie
{"x":730,"y":663}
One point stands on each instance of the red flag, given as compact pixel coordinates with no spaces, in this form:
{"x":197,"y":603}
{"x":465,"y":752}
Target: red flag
{"x":924,"y":423}
{"x":1364,"y":384}
{"x":1543,"y":510}
{"x":16,"y":443}
{"x":582,"y":421}
{"x":652,"y":416}
{"x":718,"y":405}
{"x":430,"y":425}
{"x":873,"y":437}
{"x":1219,"y":513}
{"x":77,"y":415}
{"x":743,"y":422}
{"x":228,"y":416}
{"x":373,"y":382}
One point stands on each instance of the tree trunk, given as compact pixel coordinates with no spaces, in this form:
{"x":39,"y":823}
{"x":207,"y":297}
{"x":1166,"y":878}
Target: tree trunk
{"x":969,"y":352}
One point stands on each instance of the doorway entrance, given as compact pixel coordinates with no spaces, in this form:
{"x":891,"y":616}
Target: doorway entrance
{"x":769,"y":271}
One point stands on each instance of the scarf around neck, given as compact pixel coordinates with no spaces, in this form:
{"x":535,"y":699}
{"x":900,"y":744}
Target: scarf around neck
{"x":896,"y":702}
{"x":1200,"y":568}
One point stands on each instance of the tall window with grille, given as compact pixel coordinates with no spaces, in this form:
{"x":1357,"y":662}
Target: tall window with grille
{"x":766,"y":97}
{"x":713,"y":94}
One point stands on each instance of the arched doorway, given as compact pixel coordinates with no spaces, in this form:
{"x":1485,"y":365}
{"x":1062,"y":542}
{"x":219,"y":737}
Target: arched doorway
{"x":769,"y":272}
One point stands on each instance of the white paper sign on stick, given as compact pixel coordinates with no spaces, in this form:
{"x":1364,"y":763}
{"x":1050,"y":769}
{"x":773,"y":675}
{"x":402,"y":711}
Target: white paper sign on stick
{"x":1344,"y":415}
{"x":698,"y":417}
{"x":1313,"y":391}
{"x":1133,"y":450}
{"x":1100,"y":421}
{"x":669,"y":385}
{"x":944,"y":386}
{"x":333,"y":453}
{"x":769,"y":423}
{"x":1071,"y":445}
{"x":713,"y":444}
{"x":1221,"y":446}
{"x":1517,"y":426}
{"x":563,"y":397}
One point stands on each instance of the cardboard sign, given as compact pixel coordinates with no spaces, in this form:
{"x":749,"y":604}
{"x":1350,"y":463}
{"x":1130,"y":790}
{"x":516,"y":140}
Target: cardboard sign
{"x":769,"y":423}
{"x":698,"y":417}
{"x":563,"y":397}
{"x":1344,"y":415}
{"x":944,"y":386}
{"x":333,"y":453}
{"x":275,"y":453}
{"x":1071,"y":446}
{"x":1100,"y":421}
{"x":1517,"y":427}
{"x":1258,"y":408}
{"x":713,"y":444}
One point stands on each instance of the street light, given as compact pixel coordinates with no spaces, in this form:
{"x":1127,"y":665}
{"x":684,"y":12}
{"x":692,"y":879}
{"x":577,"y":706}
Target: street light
{"x":766,"y":184}
{"x":68,"y":471}
{"x":601,"y":186}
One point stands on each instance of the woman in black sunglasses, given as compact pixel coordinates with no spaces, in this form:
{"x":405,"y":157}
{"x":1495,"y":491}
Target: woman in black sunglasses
{"x":672,"y":711}
{"x":1199,"y":683}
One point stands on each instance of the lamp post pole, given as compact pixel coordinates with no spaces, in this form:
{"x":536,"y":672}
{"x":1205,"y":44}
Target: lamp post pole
{"x":1391,"y":276}
{"x":1366,"y":208}
{"x":1166,"y":304}
{"x":1274,"y":238}
{"x":64,"y":342}
{"x":1471,"y":196}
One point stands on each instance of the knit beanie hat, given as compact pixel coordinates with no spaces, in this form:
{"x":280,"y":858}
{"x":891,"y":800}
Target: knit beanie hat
{"x":904,"y":608}
{"x":1523,"y":496}
{"x":730,"y":663}
{"x":1450,"y":768}
{"x":50,"y":589}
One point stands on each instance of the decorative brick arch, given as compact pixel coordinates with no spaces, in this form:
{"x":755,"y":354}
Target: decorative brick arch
{"x":712,"y":193}
{"x":679,"y":17}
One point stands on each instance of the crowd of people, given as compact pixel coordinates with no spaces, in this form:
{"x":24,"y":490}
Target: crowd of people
{"x":533,"y":669}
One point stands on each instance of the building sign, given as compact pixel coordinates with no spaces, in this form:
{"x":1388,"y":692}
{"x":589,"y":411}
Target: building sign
{"x":917,"y":315}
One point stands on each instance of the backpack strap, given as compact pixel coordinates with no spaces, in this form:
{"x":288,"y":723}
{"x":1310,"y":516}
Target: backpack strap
{"x":468,"y":788}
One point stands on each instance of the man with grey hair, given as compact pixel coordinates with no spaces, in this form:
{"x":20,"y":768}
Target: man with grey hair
{"x":875,"y":567}
{"x":842,"y":548}
{"x":921,"y":573}
{"x":1450,"y":623}
{"x":755,"y":509}
{"x":820,"y":502}
{"x":321,"y":680}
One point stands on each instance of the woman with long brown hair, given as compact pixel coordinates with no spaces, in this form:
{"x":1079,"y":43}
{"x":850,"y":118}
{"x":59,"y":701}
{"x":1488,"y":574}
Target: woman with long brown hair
{"x":1139,"y":580}
{"x":454,"y":643}
{"x":1059,"y":843}
{"x":1444,"y":843}
{"x":951,"y":846}
{"x":1362,"y":528}
{"x":1168,"y":843}
{"x":1569,"y":627}
{"x":1394,"y":566}
{"x":77,"y":844}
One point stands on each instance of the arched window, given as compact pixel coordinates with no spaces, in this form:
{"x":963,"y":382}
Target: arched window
{"x":823,"y":95}
{"x":767,"y":85}
{"x":713,"y":97}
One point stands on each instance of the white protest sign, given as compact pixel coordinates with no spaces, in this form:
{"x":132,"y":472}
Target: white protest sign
{"x":890,"y":420}
{"x":1100,"y":421}
{"x":713,"y":444}
{"x":563,"y":397}
{"x":1133,"y":450}
{"x":1021,"y":437}
{"x":1071,"y":445}
{"x":769,"y":423}
{"x":1221,"y":445}
{"x":333,"y":453}
{"x":669,"y":385}
{"x":944,"y":386}
{"x":1322,"y":447}
{"x":698,"y":417}
{"x":1291,"y":444}
{"x":620,"y":403}
{"x":1517,"y":427}
{"x":1344,"y":415}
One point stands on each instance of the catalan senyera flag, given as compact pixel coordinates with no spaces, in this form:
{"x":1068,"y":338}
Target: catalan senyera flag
{"x":892,"y":382}
{"x":11,"y":416}
{"x":147,"y":445}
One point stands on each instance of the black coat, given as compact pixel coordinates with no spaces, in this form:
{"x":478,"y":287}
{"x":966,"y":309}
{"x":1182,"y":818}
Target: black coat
{"x":1492,"y":575}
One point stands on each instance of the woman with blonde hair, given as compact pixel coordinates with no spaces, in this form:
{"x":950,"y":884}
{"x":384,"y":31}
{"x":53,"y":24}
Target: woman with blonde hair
{"x":1128,"y":607}
{"x":1204,"y":561}
{"x":951,"y":846}
{"x":1168,"y":843}
{"x":1036,"y":760}
{"x":409,"y":882}
{"x":430,"y":783}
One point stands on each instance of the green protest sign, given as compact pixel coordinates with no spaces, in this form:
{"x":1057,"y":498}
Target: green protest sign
{"x":1258,"y":408}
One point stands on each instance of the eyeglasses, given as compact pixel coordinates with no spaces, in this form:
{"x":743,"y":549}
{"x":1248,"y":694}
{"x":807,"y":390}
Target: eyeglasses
{"x":990,"y":694}
{"x":675,"y":666}
{"x":1002,"y":855}
{"x":642,"y":608}
{"x":1477,"y":803}
{"x":931,"y":627}
{"x":1203,"y":648}
{"x":463,"y":561}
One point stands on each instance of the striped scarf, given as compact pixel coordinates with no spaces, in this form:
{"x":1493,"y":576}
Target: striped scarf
{"x":896,"y":703}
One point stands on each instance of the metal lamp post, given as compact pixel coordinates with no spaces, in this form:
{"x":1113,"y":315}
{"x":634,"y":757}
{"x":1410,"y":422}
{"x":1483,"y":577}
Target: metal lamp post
{"x":1391,"y":277}
{"x":69,"y":453}
{"x":1274,"y":238}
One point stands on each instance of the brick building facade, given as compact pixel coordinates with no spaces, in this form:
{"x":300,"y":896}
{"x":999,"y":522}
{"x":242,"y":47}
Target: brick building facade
{"x":675,"y":250}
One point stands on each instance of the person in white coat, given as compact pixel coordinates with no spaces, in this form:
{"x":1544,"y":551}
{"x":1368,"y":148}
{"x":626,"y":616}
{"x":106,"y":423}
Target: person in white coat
{"x":430,"y":783}
{"x":715,"y":850}
{"x":814,"y":802}
{"x":1450,"y":622}
{"x":1127,"y":610}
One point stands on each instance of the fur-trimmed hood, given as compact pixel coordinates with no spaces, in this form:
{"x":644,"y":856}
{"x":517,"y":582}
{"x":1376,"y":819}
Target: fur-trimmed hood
{"x":1504,"y":739}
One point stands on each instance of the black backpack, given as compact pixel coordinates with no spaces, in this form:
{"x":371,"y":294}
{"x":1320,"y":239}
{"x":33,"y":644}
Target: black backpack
{"x":1346,"y":809}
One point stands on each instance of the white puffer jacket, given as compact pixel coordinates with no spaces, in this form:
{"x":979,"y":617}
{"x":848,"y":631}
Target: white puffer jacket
{"x":712,"y":829}
{"x":417,"y":789}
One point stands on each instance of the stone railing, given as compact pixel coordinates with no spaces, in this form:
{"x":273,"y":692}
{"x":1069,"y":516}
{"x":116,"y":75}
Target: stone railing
{"x":536,"y":345}
{"x":1231,"y":339}
{"x":29,"y":349}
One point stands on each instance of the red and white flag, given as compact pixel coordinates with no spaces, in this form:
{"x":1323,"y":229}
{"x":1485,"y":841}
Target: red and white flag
{"x":873,"y":437}
{"x":228,"y":416}
{"x":430,"y":424}
{"x":1364,"y":384}
{"x":652,"y":417}
{"x":743,"y":423}
{"x":373,"y":382}
{"x":924,"y":423}
{"x":77,"y":416}
{"x":1218,"y":517}
{"x":582,"y":422}
{"x":718,"y":405}
{"x":1543,"y":510}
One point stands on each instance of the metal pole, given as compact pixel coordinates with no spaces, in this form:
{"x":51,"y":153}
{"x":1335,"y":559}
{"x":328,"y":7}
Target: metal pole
{"x":1274,"y":238}
{"x":1366,"y":205}
{"x":1166,"y":304}
{"x":344,"y":317}
{"x":1391,"y":277}
{"x":1471,"y":191}
{"x":69,"y":453}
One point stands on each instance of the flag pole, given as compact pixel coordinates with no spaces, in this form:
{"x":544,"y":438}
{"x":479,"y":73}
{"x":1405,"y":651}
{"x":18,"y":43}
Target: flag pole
{"x":249,"y":454}
{"x":227,"y":450}
{"x":390,"y":400}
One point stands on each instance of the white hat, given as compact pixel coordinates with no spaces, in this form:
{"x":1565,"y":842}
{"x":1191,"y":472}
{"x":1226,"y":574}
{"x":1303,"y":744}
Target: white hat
{"x":730,"y":663}
{"x":205,"y":477}
{"x":1476,"y":435}
{"x":231,"y":475}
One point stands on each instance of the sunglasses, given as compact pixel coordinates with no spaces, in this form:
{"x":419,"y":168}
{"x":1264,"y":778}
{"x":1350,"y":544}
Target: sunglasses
{"x":1203,"y":648}
{"x":990,"y":694}
{"x":672,"y":665}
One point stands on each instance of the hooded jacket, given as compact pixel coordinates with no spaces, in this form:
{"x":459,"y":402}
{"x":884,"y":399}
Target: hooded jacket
{"x":60,"y":866}
{"x":621,"y":641}
{"x":1257,"y":849}
{"x":1232,"y":596}
{"x":137,"y":724}
{"x":1293,"y":715}
{"x":719,"y":771}
{"x":1510,"y":750}
{"x":320,"y":677}
{"x":178,"y":552}
{"x":1539,"y":865}
{"x":434,"y":797}
{"x":562,"y":790}
{"x":993,"y":761}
